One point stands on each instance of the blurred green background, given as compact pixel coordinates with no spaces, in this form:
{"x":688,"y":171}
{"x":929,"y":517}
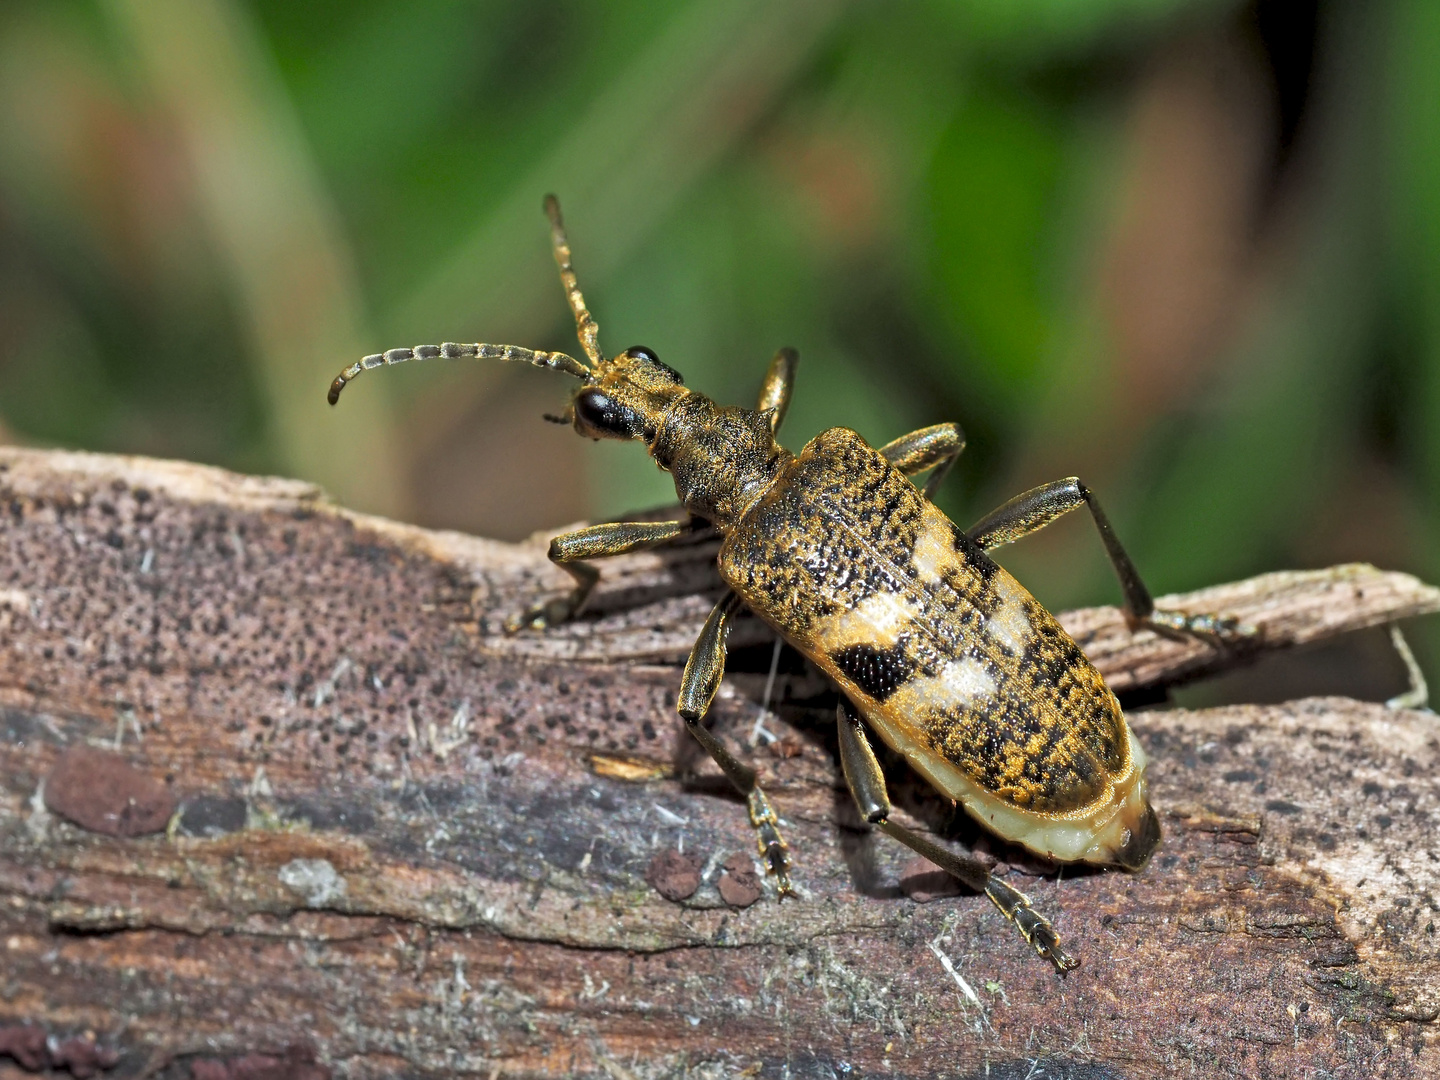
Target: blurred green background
{"x":1186,"y":249}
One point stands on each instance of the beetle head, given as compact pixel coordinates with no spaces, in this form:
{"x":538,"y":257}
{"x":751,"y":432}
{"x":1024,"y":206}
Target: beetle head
{"x":625,"y":397}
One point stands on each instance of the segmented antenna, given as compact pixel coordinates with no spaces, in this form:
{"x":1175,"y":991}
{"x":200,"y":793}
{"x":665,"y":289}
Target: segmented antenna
{"x":585,"y":326}
{"x":552,"y":361}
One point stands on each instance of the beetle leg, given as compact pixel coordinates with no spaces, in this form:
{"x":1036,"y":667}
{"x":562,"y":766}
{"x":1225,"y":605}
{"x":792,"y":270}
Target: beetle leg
{"x":776,"y":389}
{"x":867,"y":786}
{"x":596,"y":542}
{"x":934,"y":447}
{"x":703,"y":672}
{"x":1040,"y":506}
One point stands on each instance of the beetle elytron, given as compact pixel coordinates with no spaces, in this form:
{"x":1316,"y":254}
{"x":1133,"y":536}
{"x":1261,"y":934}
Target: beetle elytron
{"x":933,"y":645}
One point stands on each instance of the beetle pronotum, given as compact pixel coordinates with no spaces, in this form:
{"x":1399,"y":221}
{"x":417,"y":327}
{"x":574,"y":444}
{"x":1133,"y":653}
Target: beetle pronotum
{"x":933,"y":645}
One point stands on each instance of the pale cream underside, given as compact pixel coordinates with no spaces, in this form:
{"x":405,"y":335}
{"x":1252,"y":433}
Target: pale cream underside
{"x":1093,"y":836}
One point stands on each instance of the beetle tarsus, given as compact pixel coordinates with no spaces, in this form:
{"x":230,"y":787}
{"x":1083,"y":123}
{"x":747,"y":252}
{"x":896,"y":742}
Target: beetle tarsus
{"x":1033,"y":926}
{"x":773,"y":848}
{"x":1223,"y":630}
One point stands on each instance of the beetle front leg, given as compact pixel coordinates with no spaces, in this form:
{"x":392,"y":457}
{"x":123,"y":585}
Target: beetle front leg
{"x":596,"y":542}
{"x":703,"y":672}
{"x":936,"y":447}
{"x":1040,"y":506}
{"x":867,"y":787}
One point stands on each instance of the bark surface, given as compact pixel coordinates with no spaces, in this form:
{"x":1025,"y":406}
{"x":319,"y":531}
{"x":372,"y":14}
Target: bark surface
{"x":394,"y":841}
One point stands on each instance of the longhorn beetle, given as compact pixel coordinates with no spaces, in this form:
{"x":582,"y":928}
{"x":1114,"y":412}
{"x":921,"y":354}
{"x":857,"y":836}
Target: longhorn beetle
{"x":933,"y":646}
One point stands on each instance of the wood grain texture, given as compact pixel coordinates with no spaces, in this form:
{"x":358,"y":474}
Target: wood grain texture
{"x":405,"y":844}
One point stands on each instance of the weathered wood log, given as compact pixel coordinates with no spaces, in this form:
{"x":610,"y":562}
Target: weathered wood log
{"x":400,"y":842}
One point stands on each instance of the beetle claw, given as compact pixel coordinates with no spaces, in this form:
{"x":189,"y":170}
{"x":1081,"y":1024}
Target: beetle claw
{"x":1052,"y":951}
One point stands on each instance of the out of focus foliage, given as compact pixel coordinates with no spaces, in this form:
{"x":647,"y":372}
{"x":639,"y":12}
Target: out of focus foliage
{"x":1186,"y":249}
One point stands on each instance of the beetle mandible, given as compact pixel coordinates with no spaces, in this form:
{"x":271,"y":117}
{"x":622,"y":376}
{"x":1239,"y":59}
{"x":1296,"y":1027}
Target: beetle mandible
{"x":934,"y":646}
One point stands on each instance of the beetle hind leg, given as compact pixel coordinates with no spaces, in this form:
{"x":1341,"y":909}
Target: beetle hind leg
{"x":1040,"y":506}
{"x":703,"y":671}
{"x":867,"y":787}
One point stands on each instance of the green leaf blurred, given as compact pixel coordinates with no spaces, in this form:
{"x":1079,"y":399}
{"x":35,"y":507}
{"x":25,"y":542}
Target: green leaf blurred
{"x":993,"y":181}
{"x":1186,"y":249}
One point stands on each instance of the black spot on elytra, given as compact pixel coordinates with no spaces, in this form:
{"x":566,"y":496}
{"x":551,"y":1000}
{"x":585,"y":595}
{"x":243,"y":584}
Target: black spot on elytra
{"x":878,"y":672}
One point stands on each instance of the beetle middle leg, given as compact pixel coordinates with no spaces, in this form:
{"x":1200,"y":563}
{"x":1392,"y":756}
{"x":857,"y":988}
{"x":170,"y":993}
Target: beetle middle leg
{"x":568,"y":549}
{"x":867,"y":787}
{"x":1040,"y":506}
{"x":935,"y":447}
{"x":698,"y":685}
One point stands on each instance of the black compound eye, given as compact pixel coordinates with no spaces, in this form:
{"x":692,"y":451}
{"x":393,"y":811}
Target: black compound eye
{"x":640,"y":352}
{"x":597,"y":413}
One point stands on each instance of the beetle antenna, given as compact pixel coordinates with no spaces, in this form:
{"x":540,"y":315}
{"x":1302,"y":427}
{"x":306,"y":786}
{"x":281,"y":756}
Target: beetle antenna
{"x":552,"y":361}
{"x":585,"y":326}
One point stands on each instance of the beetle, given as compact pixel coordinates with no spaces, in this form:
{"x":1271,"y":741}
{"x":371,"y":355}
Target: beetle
{"x":933,"y":645}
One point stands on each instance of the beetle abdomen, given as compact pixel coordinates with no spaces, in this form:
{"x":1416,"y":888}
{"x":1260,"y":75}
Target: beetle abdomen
{"x":951,"y":661}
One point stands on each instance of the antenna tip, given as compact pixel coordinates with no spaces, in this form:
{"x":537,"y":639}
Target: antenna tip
{"x":552,"y":208}
{"x":335,"y":387}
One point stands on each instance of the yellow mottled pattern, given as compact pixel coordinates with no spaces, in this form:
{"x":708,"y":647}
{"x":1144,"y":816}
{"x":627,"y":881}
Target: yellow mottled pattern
{"x":844,"y":552}
{"x":1017,"y":713}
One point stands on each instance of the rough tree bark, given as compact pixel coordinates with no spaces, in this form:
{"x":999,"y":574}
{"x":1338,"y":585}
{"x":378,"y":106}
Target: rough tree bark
{"x":277,"y":798}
